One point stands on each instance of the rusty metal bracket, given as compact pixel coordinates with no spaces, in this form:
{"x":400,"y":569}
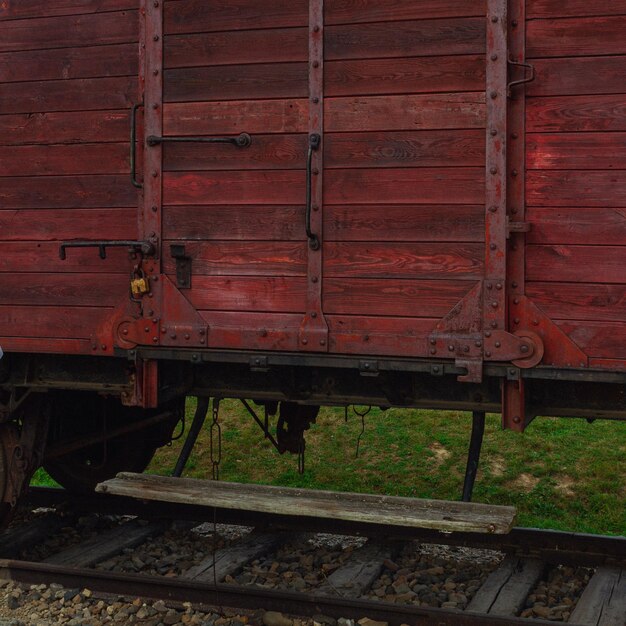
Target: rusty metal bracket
{"x":183,"y":266}
{"x":527,"y":79}
{"x":146,"y":247}
{"x":558,"y":348}
{"x":516,"y":227}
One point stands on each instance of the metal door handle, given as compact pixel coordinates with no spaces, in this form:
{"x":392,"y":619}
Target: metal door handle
{"x":133,"y":146}
{"x":315,"y":141}
{"x":241,"y":141}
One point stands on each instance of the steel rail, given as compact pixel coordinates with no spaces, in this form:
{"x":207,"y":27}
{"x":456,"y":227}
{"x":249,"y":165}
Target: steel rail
{"x":232,"y":596}
{"x":554,"y":547}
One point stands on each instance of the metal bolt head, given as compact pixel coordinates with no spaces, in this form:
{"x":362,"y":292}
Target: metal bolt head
{"x":493,"y":95}
{"x":305,"y":342}
{"x":524,"y":349}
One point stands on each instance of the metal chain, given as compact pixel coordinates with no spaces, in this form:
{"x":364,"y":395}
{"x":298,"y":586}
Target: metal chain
{"x":216,"y":440}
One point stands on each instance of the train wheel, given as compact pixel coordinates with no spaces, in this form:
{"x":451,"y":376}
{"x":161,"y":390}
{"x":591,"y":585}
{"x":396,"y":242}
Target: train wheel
{"x":81,"y":470}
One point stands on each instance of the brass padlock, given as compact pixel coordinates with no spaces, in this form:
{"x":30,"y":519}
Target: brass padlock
{"x":139,"y":284}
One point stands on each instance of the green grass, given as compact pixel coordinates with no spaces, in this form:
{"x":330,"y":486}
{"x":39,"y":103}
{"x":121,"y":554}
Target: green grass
{"x":561,"y":474}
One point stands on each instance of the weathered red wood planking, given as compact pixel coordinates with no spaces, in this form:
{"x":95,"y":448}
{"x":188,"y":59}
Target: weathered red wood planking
{"x":260,"y":222}
{"x":68,"y":95}
{"x":359,"y":260}
{"x":249,"y":258}
{"x":566,"y":8}
{"x":66,"y":63}
{"x":597,"y":339}
{"x":30,"y":256}
{"x":236,"y":47}
{"x":192,"y":16}
{"x":46,"y":192}
{"x":54,"y":322}
{"x":599,"y":226}
{"x":224,"y":82}
{"x":576,"y":151}
{"x":44,"y":225}
{"x":578,"y":76}
{"x":450,"y":148}
{"x":576,"y":37}
{"x":592,"y":264}
{"x":405,"y":39}
{"x":289,"y":80}
{"x":244,"y":187}
{"x":361,"y":41}
{"x":404,"y":298}
{"x":410,"y":186}
{"x":68,"y":31}
{"x":66,"y":128}
{"x":360,"y":11}
{"x":63,"y":290}
{"x":405,"y":112}
{"x":401,"y":76}
{"x":576,"y":114}
{"x":367,"y":297}
{"x":189,"y":16}
{"x":583,"y":301}
{"x":576,"y":188}
{"x":403,"y":260}
{"x":62,"y":160}
{"x":453,"y":223}
{"x":377,"y":113}
{"x":341,"y":223}
{"x":50,"y":345}
{"x":251,"y":116}
{"x":16,"y":9}
{"x":243,"y":293}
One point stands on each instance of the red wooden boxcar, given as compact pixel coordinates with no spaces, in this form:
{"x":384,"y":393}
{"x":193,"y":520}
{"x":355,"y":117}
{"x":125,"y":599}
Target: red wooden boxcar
{"x":394,"y":202}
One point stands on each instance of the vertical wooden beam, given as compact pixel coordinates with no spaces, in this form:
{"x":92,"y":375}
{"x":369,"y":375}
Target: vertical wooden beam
{"x":313,"y":336}
{"x":151,"y":78}
{"x":494,"y":296}
{"x":513,"y":393}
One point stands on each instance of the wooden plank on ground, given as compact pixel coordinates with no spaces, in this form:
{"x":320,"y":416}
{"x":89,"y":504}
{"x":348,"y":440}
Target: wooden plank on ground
{"x":603,"y":602}
{"x":231,"y":559}
{"x":359,"y":572}
{"x":506,"y":588}
{"x":14,"y":540}
{"x":107,"y":544}
{"x":365,"y":508}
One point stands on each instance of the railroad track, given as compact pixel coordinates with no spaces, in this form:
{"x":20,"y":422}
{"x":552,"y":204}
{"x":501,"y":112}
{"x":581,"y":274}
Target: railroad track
{"x":528,"y":554}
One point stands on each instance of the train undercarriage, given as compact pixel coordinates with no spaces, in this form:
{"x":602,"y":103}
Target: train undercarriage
{"x":71,"y":415}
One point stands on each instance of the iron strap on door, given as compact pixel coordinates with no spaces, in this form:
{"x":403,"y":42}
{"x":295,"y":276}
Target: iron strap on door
{"x":313,"y":334}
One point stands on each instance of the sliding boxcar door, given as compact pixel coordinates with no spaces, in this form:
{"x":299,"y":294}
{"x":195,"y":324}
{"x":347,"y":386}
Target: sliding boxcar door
{"x":237,"y":73}
{"x":404,"y":159}
{"x":341,"y":207}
